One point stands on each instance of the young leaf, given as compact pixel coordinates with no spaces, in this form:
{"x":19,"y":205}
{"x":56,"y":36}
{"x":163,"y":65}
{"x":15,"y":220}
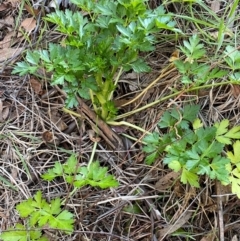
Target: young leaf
{"x":193,"y":49}
{"x":64,"y":221}
{"x":25,"y":208}
{"x":233,"y":133}
{"x":235,"y":155}
{"x":53,"y":172}
{"x":189,"y":177}
{"x":219,"y":170}
{"x":190,"y":112}
{"x":235,"y":182}
{"x":175,"y":165}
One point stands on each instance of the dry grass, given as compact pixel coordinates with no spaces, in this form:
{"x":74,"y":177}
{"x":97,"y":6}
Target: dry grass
{"x":35,"y":132}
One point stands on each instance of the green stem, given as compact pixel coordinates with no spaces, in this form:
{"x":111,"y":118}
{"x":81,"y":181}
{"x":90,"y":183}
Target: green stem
{"x":115,"y":83}
{"x":89,"y":163}
{"x":124,"y":123}
{"x":168,"y":97}
{"x":133,"y":138}
{"x":92,"y":154}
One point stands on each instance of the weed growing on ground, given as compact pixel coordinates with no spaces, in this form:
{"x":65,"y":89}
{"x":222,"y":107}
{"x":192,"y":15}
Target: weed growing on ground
{"x":38,"y":213}
{"x":93,"y":175}
{"x":193,"y":71}
{"x":194,"y":150}
{"x":97,"y":48}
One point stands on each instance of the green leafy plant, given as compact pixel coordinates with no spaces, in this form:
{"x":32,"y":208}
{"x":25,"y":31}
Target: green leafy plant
{"x":19,"y":233}
{"x":97,"y":48}
{"x":93,"y":174}
{"x":194,"y":150}
{"x":38,"y":212}
{"x":193,"y":71}
{"x":232,"y":59}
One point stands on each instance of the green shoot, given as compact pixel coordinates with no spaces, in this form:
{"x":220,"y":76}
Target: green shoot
{"x":94,"y":175}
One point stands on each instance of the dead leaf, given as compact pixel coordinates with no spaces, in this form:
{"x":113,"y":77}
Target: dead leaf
{"x":9,"y":20}
{"x":5,"y":111}
{"x":166,"y":181}
{"x":173,"y":227}
{"x":131,"y":76}
{"x":234,"y":238}
{"x":236,"y":91}
{"x":6,"y":42}
{"x":36,"y":86}
{"x":34,"y":12}
{"x":57,"y":120}
{"x":209,"y":237}
{"x":8,"y":53}
{"x":93,"y":137}
{"x":174,"y":56}
{"x":29,"y":24}
{"x":215,"y":5}
{"x":14,"y":3}
{"x":48,"y":136}
{"x":4,"y":8}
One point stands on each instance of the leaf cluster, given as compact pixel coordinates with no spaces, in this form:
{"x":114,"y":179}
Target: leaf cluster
{"x":93,"y":175}
{"x":192,"y":70}
{"x":232,"y":58}
{"x":110,"y":36}
{"x":39,"y":213}
{"x":178,"y":122}
{"x":194,"y":150}
{"x":19,"y":233}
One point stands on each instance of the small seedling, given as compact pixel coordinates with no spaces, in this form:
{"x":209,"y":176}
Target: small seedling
{"x":38,"y":213}
{"x":93,"y":175}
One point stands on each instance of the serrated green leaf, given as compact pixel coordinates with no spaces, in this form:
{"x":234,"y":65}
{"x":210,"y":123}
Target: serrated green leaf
{"x":38,"y":198}
{"x":33,"y":57}
{"x":224,"y":140}
{"x":219,"y":170}
{"x":190,"y":112}
{"x":139,"y":66}
{"x":235,"y":155}
{"x":175,"y":165}
{"x":222,"y":127}
{"x":98,"y":176}
{"x":64,"y":221}
{"x":25,"y":208}
{"x":197,"y":124}
{"x":234,"y":133}
{"x":34,"y":218}
{"x":189,"y":177}
{"x":44,"y":219}
{"x":181,"y":66}
{"x":54,"y":172}
{"x":152,"y":138}
{"x":15,"y":235}
{"x":55,"y":206}
{"x":70,"y":166}
{"x":150,"y":159}
{"x":235,"y":182}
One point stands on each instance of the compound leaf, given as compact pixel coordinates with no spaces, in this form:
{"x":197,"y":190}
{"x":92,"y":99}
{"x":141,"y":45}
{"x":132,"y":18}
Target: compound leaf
{"x":63,"y":221}
{"x":235,"y":155}
{"x":25,"y":208}
{"x":189,"y":177}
